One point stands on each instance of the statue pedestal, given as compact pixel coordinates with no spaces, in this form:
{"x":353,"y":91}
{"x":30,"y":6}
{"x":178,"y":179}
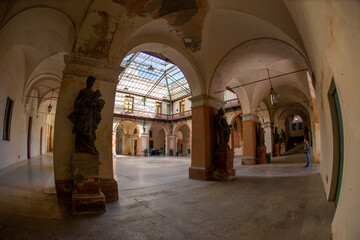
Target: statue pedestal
{"x":86,"y":195}
{"x":282,"y":148}
{"x":261,"y":155}
{"x":276,"y":150}
{"x":224,"y":165}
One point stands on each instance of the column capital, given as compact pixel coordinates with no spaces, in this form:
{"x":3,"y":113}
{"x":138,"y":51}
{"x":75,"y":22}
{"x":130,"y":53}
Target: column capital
{"x":268,"y":124}
{"x":250,"y":117}
{"x":144,"y":135}
{"x":75,"y":65}
{"x":206,"y":100}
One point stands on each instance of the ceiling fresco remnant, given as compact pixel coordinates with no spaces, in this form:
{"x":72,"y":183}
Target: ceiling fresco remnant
{"x":185,"y":17}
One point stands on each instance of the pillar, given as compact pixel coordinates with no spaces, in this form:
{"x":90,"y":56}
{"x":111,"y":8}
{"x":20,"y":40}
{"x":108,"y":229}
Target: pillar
{"x":249,"y":136}
{"x":143,"y":144}
{"x":203,"y":141}
{"x":170,"y":144}
{"x":74,"y":79}
{"x":114,"y":144}
{"x":268,"y":137}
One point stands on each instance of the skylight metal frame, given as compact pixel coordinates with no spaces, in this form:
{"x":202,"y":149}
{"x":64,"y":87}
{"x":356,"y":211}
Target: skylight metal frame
{"x":165,"y":82}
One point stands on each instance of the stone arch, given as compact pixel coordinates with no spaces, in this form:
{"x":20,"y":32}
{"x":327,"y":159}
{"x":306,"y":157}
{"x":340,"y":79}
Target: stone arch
{"x":234,"y":69}
{"x":169,"y":49}
{"x":126,"y":120}
{"x":161,"y":124}
{"x":185,"y":143}
{"x":129,"y":146}
{"x":60,"y":29}
{"x":237,"y":113}
{"x":181,"y":124}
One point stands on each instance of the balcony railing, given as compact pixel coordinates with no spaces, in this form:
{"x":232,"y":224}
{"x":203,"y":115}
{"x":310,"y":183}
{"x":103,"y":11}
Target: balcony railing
{"x":152,"y":115}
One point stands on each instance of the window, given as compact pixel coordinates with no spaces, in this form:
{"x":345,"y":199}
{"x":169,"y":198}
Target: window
{"x":182,"y":107}
{"x":7,"y":119}
{"x":129,"y":104}
{"x":168,"y":110}
{"x":158,"y":108}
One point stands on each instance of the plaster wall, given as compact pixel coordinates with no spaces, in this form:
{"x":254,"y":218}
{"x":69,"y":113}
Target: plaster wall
{"x":12,"y":71}
{"x":176,"y":105}
{"x":331,"y":36}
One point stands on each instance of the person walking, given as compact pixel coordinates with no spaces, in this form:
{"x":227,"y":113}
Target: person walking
{"x":307,"y":152}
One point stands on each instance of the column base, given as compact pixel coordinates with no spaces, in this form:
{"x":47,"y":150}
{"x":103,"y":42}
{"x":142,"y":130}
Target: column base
{"x":282,"y":149}
{"x":200,"y":173}
{"x":261,"y":155}
{"x":63,"y":189}
{"x":276,"y":150}
{"x":224,"y":165}
{"x":109,"y":188}
{"x":248,"y":161}
{"x":83,"y":204}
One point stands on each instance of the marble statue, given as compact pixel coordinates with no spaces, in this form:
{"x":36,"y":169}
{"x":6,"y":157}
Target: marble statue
{"x":86,"y":117}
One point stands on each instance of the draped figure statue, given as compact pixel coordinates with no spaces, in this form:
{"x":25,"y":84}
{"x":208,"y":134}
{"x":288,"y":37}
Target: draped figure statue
{"x":86,"y":117}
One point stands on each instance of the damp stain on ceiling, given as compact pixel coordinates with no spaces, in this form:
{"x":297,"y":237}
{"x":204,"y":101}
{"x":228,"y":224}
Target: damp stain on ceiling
{"x":185,"y":17}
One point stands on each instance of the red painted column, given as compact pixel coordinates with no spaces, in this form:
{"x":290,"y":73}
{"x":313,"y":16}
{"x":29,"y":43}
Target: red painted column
{"x":203,"y":136}
{"x":143,"y":143}
{"x":170,"y":144}
{"x":249,"y":136}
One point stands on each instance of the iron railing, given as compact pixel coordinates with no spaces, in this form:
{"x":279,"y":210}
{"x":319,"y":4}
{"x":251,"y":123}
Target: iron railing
{"x":152,"y":115}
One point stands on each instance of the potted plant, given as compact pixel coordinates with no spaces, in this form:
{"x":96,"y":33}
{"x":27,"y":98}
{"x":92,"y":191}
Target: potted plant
{"x":161,"y":151}
{"x":171,"y":152}
{"x":146,"y":152}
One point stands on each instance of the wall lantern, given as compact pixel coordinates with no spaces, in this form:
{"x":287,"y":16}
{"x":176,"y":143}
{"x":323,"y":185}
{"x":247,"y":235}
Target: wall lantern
{"x":50,"y":107}
{"x":272,"y":95}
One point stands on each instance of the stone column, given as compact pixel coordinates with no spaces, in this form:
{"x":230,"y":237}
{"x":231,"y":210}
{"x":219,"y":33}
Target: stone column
{"x":249,"y":136}
{"x":269,"y":135}
{"x":114,"y":144}
{"x":143,"y":143}
{"x":203,"y":135}
{"x":170,"y":143}
{"x":74,"y":79}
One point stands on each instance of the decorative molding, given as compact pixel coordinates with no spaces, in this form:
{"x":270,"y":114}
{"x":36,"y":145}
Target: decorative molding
{"x":206,"y":100}
{"x":82,"y":67}
{"x":250,"y":117}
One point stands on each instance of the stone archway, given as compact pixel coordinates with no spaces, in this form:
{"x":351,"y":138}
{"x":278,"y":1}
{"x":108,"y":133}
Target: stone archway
{"x":183,"y":139}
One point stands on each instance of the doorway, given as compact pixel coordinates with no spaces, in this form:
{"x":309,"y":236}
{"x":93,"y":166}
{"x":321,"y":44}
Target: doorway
{"x":41,"y":133}
{"x":29,"y":138}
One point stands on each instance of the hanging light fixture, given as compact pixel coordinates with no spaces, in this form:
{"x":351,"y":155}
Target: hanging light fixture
{"x":50,"y":107}
{"x":272,"y":95}
{"x":151,"y":68}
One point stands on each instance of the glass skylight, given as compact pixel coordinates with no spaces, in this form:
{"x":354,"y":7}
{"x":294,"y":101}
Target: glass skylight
{"x":152,"y":77}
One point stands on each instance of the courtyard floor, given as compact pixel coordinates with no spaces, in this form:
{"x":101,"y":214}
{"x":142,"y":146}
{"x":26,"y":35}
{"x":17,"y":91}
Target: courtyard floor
{"x":157,"y":200}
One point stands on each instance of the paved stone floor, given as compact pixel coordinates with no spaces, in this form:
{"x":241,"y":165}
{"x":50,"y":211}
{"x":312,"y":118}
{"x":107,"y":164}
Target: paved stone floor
{"x":281,"y":200}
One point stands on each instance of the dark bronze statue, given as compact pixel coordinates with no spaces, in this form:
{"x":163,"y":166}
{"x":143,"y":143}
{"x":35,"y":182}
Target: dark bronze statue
{"x":86,"y":117}
{"x":276,"y":136}
{"x":223,"y":131}
{"x":260,"y":138}
{"x":283,"y":139}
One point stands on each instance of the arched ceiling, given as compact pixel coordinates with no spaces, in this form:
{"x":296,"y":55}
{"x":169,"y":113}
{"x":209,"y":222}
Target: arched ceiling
{"x":251,"y":62}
